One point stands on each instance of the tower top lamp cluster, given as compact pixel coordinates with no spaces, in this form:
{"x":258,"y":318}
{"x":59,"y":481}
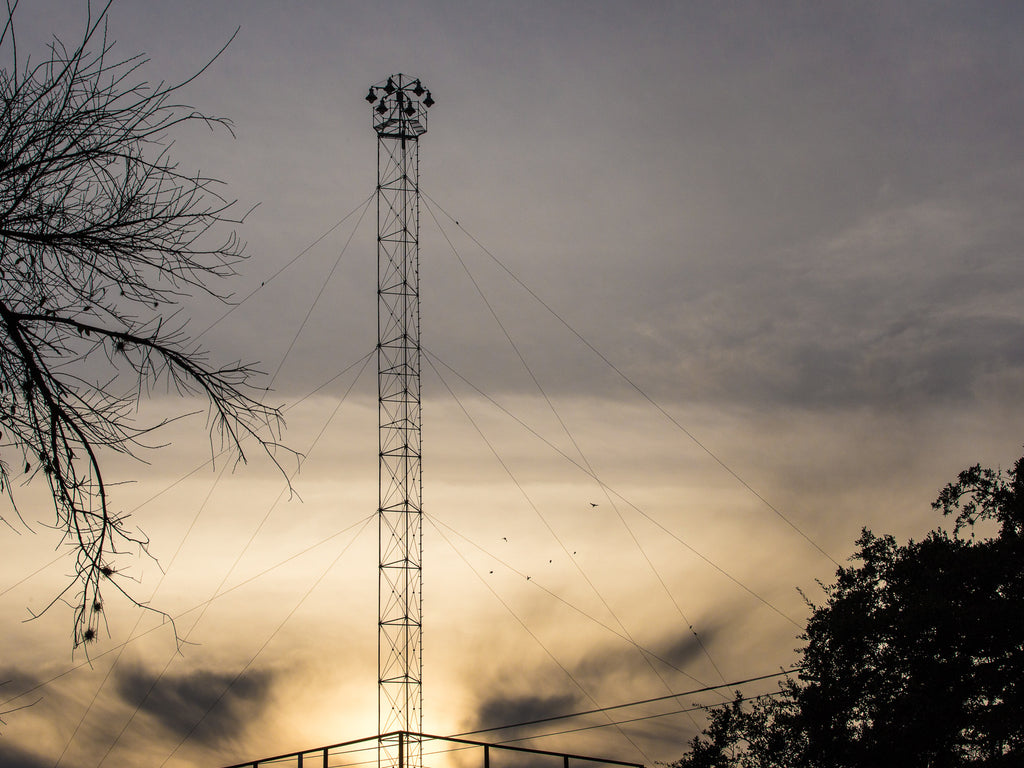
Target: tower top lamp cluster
{"x":400,"y":106}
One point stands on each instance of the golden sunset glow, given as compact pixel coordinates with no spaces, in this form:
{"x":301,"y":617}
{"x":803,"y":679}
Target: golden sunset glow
{"x":705,"y":290}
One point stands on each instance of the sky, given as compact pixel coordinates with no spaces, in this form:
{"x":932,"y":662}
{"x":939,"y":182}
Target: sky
{"x":743,"y":275}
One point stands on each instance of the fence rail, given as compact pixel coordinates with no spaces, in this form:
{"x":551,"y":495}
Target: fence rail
{"x":362,"y":753}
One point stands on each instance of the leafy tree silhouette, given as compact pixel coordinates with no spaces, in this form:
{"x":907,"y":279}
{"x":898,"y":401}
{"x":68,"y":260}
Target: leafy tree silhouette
{"x":915,"y":659}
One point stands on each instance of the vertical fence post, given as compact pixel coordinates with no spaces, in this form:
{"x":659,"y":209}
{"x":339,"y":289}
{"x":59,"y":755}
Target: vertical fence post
{"x":487,"y":756}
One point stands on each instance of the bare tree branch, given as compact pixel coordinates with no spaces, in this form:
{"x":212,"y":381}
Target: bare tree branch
{"x":102,"y":237}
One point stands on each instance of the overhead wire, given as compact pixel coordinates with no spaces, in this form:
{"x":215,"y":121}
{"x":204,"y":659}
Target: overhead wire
{"x":694,"y":708}
{"x":538,"y":585}
{"x":231,"y":570}
{"x":583,"y":458}
{"x":363,"y":207}
{"x":320,"y":293}
{"x":132,"y":636}
{"x":187,"y":611}
{"x":688,"y":711}
{"x":433,"y":357}
{"x":138,"y":619}
{"x":363,"y":746}
{"x":589,"y":467}
{"x":285,"y":409}
{"x":364,"y":204}
{"x":639,"y":702}
{"x":266,"y":642}
{"x":34,"y":573}
{"x":538,"y":641}
{"x":629,"y":638}
{"x":636,"y":387}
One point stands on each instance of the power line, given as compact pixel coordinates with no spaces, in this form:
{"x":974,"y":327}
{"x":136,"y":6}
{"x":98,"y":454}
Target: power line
{"x":231,"y":570}
{"x":187,"y":611}
{"x":432,"y":357}
{"x":589,"y":470}
{"x":537,"y":585}
{"x":263,"y":647}
{"x":133,"y":637}
{"x":320,"y":293}
{"x":683,"y":711}
{"x":575,"y":443}
{"x":294,"y":259}
{"x":545,"y":648}
{"x":602,"y":710}
{"x":635,"y":386}
{"x":195,"y":519}
{"x":34,"y":573}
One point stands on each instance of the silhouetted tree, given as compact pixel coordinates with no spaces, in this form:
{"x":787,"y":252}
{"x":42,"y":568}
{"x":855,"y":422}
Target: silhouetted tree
{"x":101,"y":238}
{"x":915,"y":659}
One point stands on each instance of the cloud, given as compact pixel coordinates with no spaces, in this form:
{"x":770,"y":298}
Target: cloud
{"x":212,"y":707}
{"x":686,"y":649}
{"x":606,"y":674}
{"x":499,"y":709}
{"x":11,"y":756}
{"x":772,"y":221}
{"x":905,"y":307}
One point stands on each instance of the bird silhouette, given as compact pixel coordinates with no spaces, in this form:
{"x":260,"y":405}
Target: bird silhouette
{"x":593,"y":504}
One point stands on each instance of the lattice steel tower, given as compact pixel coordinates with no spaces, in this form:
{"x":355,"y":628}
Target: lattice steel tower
{"x":399,"y":118}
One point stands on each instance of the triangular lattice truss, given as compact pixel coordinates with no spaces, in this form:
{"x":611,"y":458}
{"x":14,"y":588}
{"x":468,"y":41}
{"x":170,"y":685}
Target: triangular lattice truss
{"x":399,"y":117}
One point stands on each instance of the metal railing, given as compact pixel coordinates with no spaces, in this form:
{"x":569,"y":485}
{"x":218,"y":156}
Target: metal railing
{"x":435,"y":752}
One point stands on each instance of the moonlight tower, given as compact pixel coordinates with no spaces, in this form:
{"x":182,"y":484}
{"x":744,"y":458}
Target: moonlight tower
{"x":400,"y":106}
{"x":399,"y":117}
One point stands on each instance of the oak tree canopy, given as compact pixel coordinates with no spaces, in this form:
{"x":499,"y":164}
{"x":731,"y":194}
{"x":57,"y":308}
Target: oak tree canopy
{"x":916,"y":658}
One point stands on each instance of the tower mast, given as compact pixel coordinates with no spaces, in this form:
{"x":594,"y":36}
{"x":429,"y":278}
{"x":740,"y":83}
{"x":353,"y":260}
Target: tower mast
{"x":399,"y":118}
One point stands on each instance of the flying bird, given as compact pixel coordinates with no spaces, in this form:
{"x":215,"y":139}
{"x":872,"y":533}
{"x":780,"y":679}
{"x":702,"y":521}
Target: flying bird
{"x":593,"y":504}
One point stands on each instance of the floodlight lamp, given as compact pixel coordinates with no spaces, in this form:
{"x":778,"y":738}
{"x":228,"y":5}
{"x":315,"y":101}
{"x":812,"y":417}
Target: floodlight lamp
{"x":390,"y":87}
{"x":409,"y":109}
{"x":418,"y":90}
{"x":428,"y":102}
{"x":371,"y":96}
{"x":382,"y":107}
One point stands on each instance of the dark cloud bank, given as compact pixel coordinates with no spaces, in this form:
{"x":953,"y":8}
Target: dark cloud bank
{"x":211,"y":706}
